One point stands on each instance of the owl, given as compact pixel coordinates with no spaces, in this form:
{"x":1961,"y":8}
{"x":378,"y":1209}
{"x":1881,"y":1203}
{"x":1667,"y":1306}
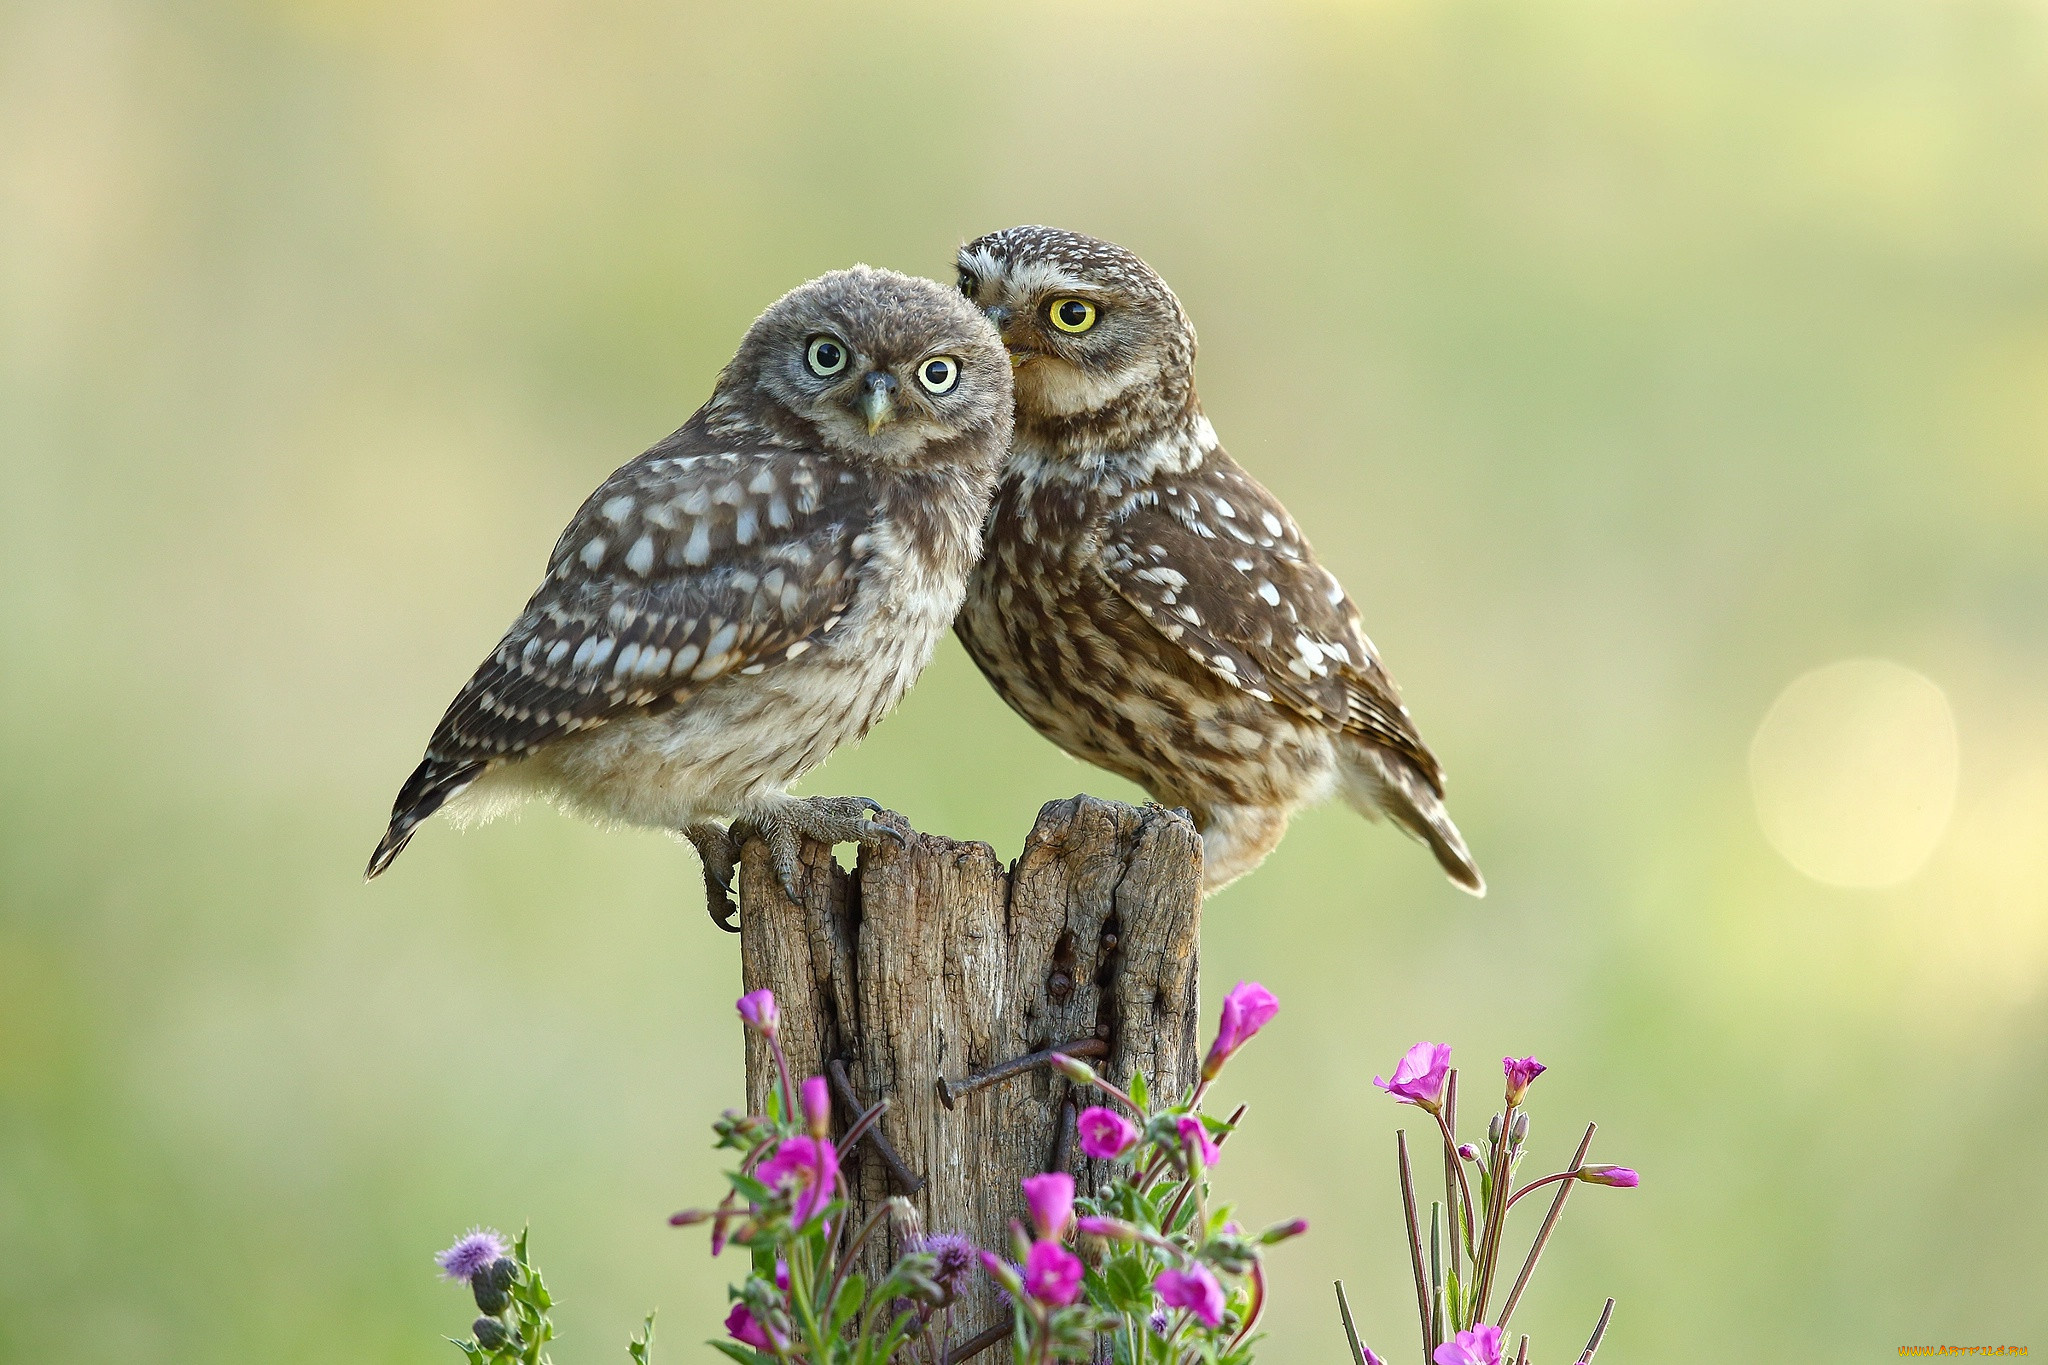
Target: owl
{"x":1144,"y":602}
{"x":753,"y":592}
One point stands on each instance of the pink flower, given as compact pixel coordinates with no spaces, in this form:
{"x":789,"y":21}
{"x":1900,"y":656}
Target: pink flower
{"x":1192,"y":1130}
{"x":818,"y":1106}
{"x":782,"y":1274}
{"x":1105,"y":1134}
{"x":1194,"y":1289}
{"x":1419,"y":1076}
{"x":758,"y":1009}
{"x":1051,"y":1197}
{"x":810,"y":1167}
{"x":473,"y":1251}
{"x":1003,"y":1273}
{"x":745,"y":1328}
{"x":1520,"y":1071}
{"x":1480,"y":1346}
{"x":1621,"y":1177}
{"x":1246,"y":1010}
{"x":1052,"y":1274}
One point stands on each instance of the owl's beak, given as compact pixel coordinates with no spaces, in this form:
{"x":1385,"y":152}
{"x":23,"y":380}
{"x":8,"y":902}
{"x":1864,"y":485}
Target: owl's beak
{"x":878,"y":399}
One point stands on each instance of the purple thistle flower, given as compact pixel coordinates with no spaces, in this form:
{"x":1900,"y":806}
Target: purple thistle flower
{"x":1159,"y":1321}
{"x":742,"y":1326}
{"x":1194,"y":1289}
{"x":1051,"y":1198}
{"x":1003,"y":1273}
{"x":1520,"y":1071}
{"x":1052,"y":1274}
{"x":1105,"y":1134}
{"x":759,"y":1010}
{"x":954,"y":1255}
{"x":1621,"y":1177}
{"x":473,"y":1251}
{"x":818,"y":1106}
{"x":1479,"y":1346}
{"x":1419,"y":1076}
{"x":1247,"y":1009}
{"x":1193,"y":1130}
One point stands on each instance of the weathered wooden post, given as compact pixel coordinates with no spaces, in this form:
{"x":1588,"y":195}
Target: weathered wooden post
{"x":932,"y":967}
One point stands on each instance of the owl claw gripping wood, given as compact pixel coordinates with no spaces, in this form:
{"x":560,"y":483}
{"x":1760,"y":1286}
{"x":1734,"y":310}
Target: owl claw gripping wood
{"x":756,"y":590}
{"x":1144,"y":602}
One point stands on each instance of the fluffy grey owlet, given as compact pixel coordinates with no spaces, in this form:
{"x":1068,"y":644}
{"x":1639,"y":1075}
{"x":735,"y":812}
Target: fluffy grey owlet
{"x":1144,"y":602}
{"x":753,"y":592}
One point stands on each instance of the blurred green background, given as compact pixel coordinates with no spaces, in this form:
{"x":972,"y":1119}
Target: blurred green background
{"x":1627,"y":360}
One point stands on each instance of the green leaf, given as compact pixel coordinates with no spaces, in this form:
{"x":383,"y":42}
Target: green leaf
{"x":750,"y":1188}
{"x":637,"y":1348}
{"x":740,"y":1353}
{"x":852,"y":1294}
{"x":1139,"y":1091}
{"x":1127,"y":1284}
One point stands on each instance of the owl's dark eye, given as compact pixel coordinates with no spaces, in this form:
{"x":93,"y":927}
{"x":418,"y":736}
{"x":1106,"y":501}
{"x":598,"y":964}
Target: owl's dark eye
{"x":939,"y":374}
{"x":1072,"y":315}
{"x":967,"y":283}
{"x":826,"y":357}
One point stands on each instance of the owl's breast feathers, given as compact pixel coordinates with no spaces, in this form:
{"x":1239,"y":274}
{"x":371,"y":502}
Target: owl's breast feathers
{"x":1191,"y":553}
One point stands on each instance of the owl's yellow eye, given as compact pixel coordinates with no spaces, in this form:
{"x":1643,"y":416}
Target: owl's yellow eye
{"x":1071,"y":315}
{"x":939,"y":374}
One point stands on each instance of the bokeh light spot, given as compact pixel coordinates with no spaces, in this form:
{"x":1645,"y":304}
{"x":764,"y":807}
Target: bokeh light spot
{"x":1854,"y":772}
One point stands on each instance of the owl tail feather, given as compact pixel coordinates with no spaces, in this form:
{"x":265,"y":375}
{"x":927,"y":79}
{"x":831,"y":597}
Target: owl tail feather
{"x":1381,"y":783}
{"x":425,"y":792}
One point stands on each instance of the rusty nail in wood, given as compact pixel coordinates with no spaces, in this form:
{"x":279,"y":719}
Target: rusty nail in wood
{"x":978,"y":1343}
{"x":1062,"y":1140}
{"x":950,"y":1091}
{"x":907,"y":1182}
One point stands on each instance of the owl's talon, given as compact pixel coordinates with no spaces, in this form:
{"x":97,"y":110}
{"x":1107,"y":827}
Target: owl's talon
{"x":720,"y":850}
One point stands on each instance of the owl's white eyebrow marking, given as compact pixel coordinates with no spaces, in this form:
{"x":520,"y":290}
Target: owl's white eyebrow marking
{"x":593,"y":552}
{"x":640,"y":559}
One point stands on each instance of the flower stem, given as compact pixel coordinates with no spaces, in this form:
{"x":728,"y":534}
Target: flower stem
{"x":1414,"y":1232}
{"x":1599,"y":1331}
{"x":1503,"y":1170}
{"x":1454,"y":1165}
{"x":1543,"y":1234}
{"x":1350,"y":1330}
{"x":1539,"y":1184}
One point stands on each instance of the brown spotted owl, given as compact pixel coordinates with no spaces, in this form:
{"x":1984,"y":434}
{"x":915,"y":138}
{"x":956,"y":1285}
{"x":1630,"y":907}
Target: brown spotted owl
{"x":750,"y":594}
{"x":1149,"y":607}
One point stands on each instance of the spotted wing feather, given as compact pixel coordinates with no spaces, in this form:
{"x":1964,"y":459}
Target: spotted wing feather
{"x":692,"y":563}
{"x":1216,"y":565}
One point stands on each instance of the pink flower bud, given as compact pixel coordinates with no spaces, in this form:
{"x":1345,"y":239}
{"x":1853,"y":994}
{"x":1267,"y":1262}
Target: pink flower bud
{"x":688,"y":1217}
{"x":1193,"y":1131}
{"x":1115,"y":1229}
{"x":1247,"y":1009}
{"x":1105,"y":1134}
{"x":1194,"y":1289}
{"x":1051,"y":1199}
{"x":1419,"y":1076}
{"x":1621,"y":1177}
{"x":1468,"y":1151}
{"x":818,"y":1106}
{"x":1073,"y":1068}
{"x":758,"y":1009}
{"x":1280,"y":1232}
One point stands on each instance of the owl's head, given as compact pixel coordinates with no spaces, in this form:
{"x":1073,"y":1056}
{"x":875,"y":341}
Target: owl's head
{"x":875,"y":366}
{"x":1093,"y":332}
